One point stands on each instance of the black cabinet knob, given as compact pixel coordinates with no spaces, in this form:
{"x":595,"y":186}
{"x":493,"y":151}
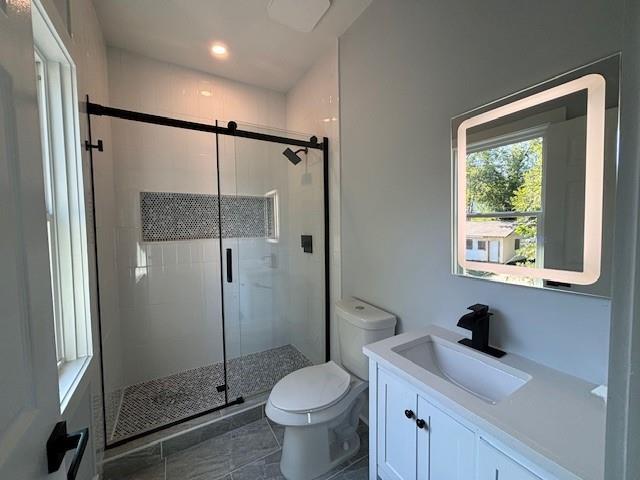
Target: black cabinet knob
{"x":420,"y":423}
{"x":409,"y":413}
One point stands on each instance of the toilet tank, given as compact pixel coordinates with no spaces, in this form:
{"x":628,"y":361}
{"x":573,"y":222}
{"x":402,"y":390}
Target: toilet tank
{"x":358,"y":325}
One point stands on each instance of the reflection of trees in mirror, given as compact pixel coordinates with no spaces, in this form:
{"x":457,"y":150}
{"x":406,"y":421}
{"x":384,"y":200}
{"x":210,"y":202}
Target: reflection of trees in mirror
{"x":508,"y":178}
{"x":528,"y":198}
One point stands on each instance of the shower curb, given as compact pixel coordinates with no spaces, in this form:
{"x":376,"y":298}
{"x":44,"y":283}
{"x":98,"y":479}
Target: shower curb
{"x":156,"y":451}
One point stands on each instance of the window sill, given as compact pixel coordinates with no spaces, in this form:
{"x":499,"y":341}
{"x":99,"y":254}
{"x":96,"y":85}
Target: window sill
{"x":72,"y":380}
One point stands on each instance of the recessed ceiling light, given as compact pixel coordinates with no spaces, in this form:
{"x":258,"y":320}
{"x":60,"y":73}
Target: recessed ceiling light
{"x":219,"y":50}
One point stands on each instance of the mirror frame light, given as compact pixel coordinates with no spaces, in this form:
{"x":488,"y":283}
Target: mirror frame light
{"x":595,"y":85}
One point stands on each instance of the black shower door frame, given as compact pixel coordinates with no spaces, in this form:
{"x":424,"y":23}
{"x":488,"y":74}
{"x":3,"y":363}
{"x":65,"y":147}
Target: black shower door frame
{"x":230,"y":130}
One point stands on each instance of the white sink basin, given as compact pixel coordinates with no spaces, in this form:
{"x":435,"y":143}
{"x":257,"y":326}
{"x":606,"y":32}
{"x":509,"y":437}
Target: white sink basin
{"x":483,"y":376}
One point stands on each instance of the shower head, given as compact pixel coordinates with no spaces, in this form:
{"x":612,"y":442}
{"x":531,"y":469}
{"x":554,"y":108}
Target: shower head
{"x":293,"y":156}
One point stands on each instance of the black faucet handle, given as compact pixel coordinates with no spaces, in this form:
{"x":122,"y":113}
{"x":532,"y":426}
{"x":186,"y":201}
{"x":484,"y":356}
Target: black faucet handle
{"x":479,"y":309}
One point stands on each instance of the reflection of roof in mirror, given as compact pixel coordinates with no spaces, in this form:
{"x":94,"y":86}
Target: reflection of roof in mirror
{"x":494,"y":229}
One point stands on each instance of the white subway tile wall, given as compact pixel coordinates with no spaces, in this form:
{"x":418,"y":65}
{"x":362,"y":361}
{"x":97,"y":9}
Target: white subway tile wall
{"x":169,"y":291}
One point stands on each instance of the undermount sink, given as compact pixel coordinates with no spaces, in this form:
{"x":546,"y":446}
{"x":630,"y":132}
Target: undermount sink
{"x":486,"y":378}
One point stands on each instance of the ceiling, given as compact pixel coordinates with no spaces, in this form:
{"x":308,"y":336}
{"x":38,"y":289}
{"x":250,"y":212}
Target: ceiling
{"x":262,"y":52}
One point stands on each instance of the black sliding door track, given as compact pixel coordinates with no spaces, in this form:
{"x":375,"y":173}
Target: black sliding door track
{"x":231,"y":130}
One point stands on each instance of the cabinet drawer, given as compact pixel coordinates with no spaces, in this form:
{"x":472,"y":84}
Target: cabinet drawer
{"x":495,"y":465}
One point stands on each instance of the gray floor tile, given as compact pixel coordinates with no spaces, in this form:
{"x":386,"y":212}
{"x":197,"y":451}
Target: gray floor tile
{"x":278,"y":431}
{"x":157,"y":472}
{"x":132,"y":462}
{"x":332,"y":473}
{"x":356,"y":471}
{"x":220,"y":455}
{"x":267,"y":468}
{"x":206,"y":432}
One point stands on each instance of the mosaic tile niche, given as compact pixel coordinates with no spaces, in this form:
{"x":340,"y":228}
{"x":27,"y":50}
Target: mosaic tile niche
{"x":168,"y":216}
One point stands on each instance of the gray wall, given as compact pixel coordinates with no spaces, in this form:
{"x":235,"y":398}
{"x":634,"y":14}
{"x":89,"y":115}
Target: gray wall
{"x":623,"y":408}
{"x":406,"y":68}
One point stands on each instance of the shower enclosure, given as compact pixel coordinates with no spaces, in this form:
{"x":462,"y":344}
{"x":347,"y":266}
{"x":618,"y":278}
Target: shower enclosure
{"x":219,"y":261}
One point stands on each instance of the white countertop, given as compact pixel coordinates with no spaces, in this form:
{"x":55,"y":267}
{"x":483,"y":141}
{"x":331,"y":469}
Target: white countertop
{"x":553,"y":420}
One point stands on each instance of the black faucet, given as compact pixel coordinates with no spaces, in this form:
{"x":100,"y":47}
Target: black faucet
{"x":478,"y":322}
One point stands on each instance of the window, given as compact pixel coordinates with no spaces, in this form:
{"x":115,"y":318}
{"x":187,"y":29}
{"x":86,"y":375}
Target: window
{"x":469,"y":244}
{"x":504,"y":191}
{"x":482,"y":245}
{"x":64,"y":200}
{"x":50,"y":209}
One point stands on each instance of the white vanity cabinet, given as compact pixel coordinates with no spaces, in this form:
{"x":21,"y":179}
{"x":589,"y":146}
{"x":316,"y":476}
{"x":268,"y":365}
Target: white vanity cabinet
{"x":439,"y":410}
{"x":495,"y":465}
{"x":415,"y":440}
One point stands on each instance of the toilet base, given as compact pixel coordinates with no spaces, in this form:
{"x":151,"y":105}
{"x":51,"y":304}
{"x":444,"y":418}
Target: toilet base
{"x":310,"y":451}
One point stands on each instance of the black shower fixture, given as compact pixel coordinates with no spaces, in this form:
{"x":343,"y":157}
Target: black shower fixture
{"x":293,"y":156}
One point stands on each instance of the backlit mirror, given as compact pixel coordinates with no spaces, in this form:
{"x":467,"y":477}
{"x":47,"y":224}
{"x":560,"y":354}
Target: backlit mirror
{"x":534,"y":183}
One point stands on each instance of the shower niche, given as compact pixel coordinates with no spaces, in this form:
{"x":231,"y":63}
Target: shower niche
{"x":207,"y":297}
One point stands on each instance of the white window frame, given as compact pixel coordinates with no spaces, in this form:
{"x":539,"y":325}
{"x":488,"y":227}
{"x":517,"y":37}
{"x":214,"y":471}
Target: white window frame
{"x":64,"y":199}
{"x":510,"y":139}
{"x":49,"y":199}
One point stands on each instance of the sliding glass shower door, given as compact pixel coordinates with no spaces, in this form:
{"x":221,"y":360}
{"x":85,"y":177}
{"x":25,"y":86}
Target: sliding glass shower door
{"x":273,"y":285}
{"x":159,"y":259}
{"x":211,"y":261}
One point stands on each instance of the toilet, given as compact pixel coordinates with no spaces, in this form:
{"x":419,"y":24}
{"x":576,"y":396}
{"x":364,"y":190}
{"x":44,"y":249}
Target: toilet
{"x":319,"y":406}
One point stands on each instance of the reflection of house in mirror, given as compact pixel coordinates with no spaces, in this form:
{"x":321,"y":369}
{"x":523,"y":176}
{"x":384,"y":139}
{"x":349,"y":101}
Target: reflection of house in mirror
{"x":491,"y":241}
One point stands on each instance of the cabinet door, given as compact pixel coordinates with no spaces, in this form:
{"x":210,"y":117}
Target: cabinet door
{"x":397,"y":432}
{"x":495,"y":465}
{"x":451,"y":447}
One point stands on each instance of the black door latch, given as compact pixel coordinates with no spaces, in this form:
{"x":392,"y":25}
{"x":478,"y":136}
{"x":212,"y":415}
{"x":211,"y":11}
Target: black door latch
{"x":89,"y":146}
{"x":60,"y":442}
{"x":306,"y":242}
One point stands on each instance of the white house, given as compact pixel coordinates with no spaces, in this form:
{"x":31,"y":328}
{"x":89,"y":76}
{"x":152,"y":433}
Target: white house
{"x":491,"y":241}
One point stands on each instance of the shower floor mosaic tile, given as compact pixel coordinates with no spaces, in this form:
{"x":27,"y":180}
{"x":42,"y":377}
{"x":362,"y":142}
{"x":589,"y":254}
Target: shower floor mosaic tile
{"x":162,"y":401}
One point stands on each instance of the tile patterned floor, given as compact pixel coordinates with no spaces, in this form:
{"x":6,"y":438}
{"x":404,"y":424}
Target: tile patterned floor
{"x":251,"y":452}
{"x":155,"y":403}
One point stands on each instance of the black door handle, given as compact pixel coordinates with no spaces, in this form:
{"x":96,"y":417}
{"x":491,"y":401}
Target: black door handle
{"x":60,"y":442}
{"x":229,"y":265}
{"x":420,"y":423}
{"x":409,"y":413}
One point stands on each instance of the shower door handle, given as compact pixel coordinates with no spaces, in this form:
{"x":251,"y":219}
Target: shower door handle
{"x":229,"y":266}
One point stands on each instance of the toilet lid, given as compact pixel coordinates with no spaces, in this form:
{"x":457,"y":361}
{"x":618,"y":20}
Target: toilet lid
{"x":311,"y":388}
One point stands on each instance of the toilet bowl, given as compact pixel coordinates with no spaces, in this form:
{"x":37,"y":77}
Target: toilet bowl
{"x":320,"y":405}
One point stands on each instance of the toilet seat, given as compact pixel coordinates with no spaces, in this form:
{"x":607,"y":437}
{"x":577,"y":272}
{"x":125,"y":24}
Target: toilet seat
{"x":311,"y":388}
{"x":334,"y":409}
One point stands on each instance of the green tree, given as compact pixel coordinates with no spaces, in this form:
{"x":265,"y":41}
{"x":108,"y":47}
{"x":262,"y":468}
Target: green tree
{"x":528,"y":198}
{"x":493,"y":175}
